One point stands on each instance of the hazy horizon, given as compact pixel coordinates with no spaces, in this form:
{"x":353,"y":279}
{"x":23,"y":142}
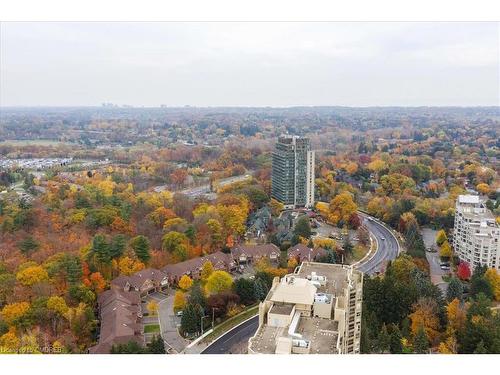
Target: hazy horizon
{"x":277,"y":65}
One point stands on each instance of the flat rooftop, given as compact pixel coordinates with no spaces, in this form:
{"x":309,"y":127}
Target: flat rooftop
{"x":322,"y":334}
{"x":336,"y":279}
{"x":282,"y":309}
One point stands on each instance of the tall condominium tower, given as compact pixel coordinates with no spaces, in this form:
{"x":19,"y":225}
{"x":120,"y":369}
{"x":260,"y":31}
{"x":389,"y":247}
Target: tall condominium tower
{"x":476,"y":235}
{"x":293,"y":172}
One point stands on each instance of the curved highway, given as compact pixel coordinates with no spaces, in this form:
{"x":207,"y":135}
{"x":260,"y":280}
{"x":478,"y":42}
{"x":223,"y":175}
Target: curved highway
{"x":387,"y":246}
{"x":387,"y":249}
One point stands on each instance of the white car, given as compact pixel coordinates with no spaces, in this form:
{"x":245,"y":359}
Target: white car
{"x":382,"y":238}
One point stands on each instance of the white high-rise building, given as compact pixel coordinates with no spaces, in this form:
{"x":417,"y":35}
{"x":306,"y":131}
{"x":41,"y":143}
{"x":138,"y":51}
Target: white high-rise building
{"x":476,"y":235}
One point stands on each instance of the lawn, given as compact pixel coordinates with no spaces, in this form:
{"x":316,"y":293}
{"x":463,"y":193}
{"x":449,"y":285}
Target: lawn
{"x":231,"y":322}
{"x":151,"y":328}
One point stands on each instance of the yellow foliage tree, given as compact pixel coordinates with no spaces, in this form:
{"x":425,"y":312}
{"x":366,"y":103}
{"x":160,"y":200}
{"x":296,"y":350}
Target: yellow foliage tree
{"x":129,"y":266}
{"x":219,"y":281}
{"x":14,"y":311}
{"x":206,"y":270}
{"x":32,"y":275}
{"x":377,"y":165}
{"x":483,"y":188}
{"x":494,"y":278}
{"x":445,"y":250}
{"x":152,"y":307}
{"x":179,"y":300}
{"x":424,"y":314}
{"x":456,"y":314}
{"x":449,"y":346}
{"x":10,"y":341}
{"x":324,"y":242}
{"x":57,"y":304}
{"x":341,"y":208}
{"x":185,"y":282}
{"x":441,"y":237}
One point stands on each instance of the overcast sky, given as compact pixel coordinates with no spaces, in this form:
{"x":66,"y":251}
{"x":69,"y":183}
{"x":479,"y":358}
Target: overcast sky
{"x":249,"y":64}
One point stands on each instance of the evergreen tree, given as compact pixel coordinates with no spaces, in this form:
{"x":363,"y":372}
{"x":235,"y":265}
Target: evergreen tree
{"x":302,"y":227}
{"x":117,"y":246}
{"x":384,"y":340}
{"x":260,"y":289}
{"x":245,"y":289}
{"x":156,"y":346}
{"x":140,"y":244}
{"x":479,"y":284}
{"x":421,"y":342}
{"x":480,"y":348}
{"x":72,"y":266}
{"x":130,"y":347}
{"x":396,"y":346}
{"x":455,"y":289}
{"x":100,"y":250}
{"x":28,"y":245}
{"x":197,"y":297}
{"x":191,"y":319}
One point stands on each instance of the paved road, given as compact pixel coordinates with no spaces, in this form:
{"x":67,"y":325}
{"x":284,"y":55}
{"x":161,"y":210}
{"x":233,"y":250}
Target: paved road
{"x":388,"y":247}
{"x":168,"y":324}
{"x":234,"y":341}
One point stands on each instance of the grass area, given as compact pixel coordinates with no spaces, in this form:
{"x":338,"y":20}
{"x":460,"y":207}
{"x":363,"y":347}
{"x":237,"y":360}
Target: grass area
{"x":151,"y":328}
{"x":231,"y":322}
{"x":359,"y":252}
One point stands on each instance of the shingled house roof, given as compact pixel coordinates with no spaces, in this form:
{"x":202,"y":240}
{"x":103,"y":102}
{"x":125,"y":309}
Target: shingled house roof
{"x":137,"y":280}
{"x":304,"y":252}
{"x":120,"y":314}
{"x":219,"y":260}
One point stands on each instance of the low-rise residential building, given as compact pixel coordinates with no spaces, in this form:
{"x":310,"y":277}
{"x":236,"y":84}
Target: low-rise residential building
{"x":192,"y":267}
{"x":302,"y":253}
{"x":316,"y":309}
{"x":145,"y":282}
{"x":245,"y":254}
{"x":476,"y":235}
{"x":120,"y":315}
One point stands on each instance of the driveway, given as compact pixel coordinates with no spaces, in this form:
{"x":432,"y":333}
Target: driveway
{"x":429,"y":237}
{"x":169,"y":322}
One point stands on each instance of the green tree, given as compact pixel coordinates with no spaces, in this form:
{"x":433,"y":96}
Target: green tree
{"x":175,"y":243}
{"x":130,"y":347}
{"x":260,"y":289}
{"x":191,"y":319}
{"x":140,"y":244}
{"x":99,"y":250}
{"x":455,"y":289}
{"x":245,"y":289}
{"x":117,"y":246}
{"x":156,"y":346}
{"x":396,"y":347}
{"x":421,"y":342}
{"x":302,"y":227}
{"x":383,"y":340}
{"x":28,"y":245}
